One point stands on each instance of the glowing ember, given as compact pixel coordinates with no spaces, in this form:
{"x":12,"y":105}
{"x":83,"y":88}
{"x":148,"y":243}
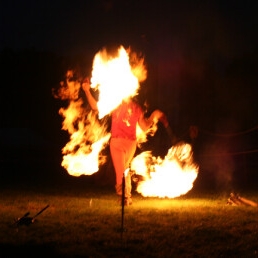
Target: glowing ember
{"x":171,"y":177}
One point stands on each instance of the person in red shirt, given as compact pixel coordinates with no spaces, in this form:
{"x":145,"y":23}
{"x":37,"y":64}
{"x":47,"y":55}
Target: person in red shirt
{"x":123,"y":142}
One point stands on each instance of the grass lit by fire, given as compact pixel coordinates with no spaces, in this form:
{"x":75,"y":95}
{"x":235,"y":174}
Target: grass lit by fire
{"x":88,"y":224}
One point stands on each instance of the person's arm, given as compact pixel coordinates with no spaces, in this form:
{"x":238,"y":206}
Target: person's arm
{"x":156,"y":115}
{"x":91,"y":100}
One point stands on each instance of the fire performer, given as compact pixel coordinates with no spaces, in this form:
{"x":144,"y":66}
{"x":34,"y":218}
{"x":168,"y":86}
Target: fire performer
{"x":123,"y":142}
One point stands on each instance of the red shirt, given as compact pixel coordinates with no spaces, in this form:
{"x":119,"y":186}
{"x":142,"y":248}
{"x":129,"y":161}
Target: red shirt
{"x":124,"y":120}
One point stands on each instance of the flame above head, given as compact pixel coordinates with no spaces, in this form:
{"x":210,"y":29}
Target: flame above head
{"x":170,"y":177}
{"x":116,"y":78}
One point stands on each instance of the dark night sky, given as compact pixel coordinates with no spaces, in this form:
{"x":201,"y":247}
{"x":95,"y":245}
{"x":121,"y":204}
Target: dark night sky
{"x":72,"y":26}
{"x":201,"y":55}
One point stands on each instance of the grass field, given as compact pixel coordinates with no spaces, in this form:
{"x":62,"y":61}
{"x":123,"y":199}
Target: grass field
{"x":85,"y":220}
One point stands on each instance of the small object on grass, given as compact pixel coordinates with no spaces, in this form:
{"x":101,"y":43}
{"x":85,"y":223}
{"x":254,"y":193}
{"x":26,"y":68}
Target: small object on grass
{"x":26,"y":220}
{"x":23,"y":220}
{"x":236,"y":200}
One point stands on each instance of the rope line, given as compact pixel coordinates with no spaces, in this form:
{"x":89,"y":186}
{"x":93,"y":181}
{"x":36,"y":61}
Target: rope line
{"x":230,"y":153}
{"x":230,"y":135}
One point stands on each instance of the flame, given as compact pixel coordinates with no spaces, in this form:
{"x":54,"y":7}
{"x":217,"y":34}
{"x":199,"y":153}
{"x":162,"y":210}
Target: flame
{"x":88,"y":135}
{"x":116,"y":78}
{"x":170,"y":177}
{"x":78,"y":163}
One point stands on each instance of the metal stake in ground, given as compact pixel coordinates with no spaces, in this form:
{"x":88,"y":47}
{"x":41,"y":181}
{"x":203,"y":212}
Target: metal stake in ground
{"x":123,"y":204}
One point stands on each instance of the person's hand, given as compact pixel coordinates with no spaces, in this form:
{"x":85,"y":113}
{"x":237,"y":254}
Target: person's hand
{"x":160,"y":116}
{"x":86,"y":84}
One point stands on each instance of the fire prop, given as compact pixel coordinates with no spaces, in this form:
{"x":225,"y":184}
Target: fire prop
{"x":114,"y":78}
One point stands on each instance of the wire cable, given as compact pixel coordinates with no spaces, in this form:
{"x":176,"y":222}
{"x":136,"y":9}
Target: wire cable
{"x":231,"y":134}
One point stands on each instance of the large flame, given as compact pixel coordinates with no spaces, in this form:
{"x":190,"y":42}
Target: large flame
{"x":88,"y":135}
{"x":115,"y":79}
{"x":169,"y":177}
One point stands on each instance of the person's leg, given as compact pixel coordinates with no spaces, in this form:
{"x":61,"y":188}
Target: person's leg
{"x":118,"y":158}
{"x":122,"y":152}
{"x":131,"y":148}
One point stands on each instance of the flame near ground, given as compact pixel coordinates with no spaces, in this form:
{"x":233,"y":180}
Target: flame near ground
{"x":115,"y":78}
{"x":170,"y":177}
